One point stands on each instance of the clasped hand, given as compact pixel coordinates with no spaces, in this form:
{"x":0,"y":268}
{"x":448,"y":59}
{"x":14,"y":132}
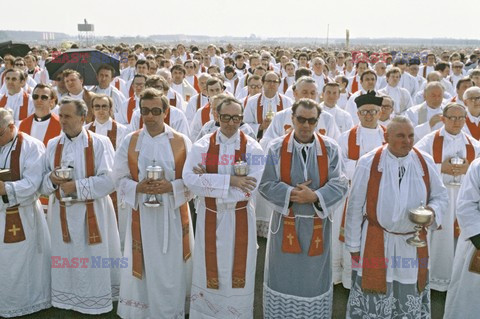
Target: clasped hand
{"x":151,"y":186}
{"x":302,"y":194}
{"x":67,"y":185}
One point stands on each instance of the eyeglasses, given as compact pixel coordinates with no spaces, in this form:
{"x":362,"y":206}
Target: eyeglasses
{"x":365,"y":112}
{"x":302,"y":120}
{"x":457,"y":67}
{"x":474,"y":99}
{"x":19,"y":64}
{"x":253,"y":87}
{"x":386,"y":106}
{"x":225,"y":118}
{"x":42,"y":97}
{"x":154,"y":110}
{"x":189,"y":67}
{"x":98,"y":107}
{"x":456,"y":118}
{"x":272,"y":81}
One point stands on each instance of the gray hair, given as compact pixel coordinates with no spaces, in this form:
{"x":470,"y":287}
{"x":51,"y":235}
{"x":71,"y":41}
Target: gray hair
{"x":388,"y":97}
{"x":452,"y":105}
{"x":432,"y":85}
{"x":469,"y":92}
{"x":302,"y":80}
{"x":6,"y":117}
{"x":80,"y":106}
{"x":399,"y":120}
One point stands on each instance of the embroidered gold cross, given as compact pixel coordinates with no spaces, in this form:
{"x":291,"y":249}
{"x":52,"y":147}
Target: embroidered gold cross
{"x":94,"y":237}
{"x":14,"y":230}
{"x":290,"y":239}
{"x":317,"y":242}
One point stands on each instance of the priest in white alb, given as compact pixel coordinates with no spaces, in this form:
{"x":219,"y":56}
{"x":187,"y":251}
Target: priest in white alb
{"x":81,"y":218}
{"x":25,"y":248}
{"x":443,"y":145}
{"x":224,"y":258}
{"x":159,"y":238}
{"x":390,"y":277}
{"x":463,"y":293}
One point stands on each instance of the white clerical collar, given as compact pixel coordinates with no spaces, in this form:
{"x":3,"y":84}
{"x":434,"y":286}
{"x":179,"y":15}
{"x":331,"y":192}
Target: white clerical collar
{"x":400,"y":160}
{"x":80,"y":138}
{"x":433,"y":110}
{"x":272,"y":100}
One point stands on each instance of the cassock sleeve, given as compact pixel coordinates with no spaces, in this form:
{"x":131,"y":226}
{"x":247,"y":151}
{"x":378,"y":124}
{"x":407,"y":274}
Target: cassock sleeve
{"x":276,"y":192}
{"x":468,"y":202}
{"x":101,"y":184}
{"x":47,"y":186}
{"x":31,"y":163}
{"x":337,"y":185}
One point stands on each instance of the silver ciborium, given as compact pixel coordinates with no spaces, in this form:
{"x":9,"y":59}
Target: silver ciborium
{"x":457,"y":160}
{"x":240,"y":168}
{"x":421,"y":217}
{"x":65,"y":172}
{"x":156,"y":173}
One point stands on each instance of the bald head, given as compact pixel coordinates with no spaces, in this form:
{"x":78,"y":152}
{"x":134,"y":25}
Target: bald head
{"x":400,"y":136}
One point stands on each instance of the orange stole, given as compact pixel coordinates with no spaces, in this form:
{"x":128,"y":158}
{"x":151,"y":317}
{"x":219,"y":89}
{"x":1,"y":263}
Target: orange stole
{"x":241,"y":223}
{"x":206,"y":113}
{"x":112,"y":136}
{"x":117,"y":84}
{"x":353,"y":154}
{"x":53,"y":129}
{"x":94,"y":236}
{"x":130,"y":108}
{"x":131,"y":92}
{"x":474,"y":129}
{"x":354,"y":84}
{"x":374,"y":277}
{"x":290,"y":243}
{"x":13,"y":223}
{"x":179,"y":153}
{"x":437,"y":157}
{"x":196,"y":86}
{"x":260,"y":108}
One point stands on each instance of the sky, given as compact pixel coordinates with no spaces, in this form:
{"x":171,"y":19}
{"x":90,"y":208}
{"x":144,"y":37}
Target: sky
{"x":264,"y":18}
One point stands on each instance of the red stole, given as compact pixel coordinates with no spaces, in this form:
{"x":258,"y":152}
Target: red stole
{"x":437,"y":150}
{"x":474,"y":129}
{"x":353,"y":148}
{"x":13,"y":223}
{"x":23,"y":108}
{"x":374,"y":276}
{"x":53,"y":129}
{"x":196,"y":86}
{"x":117,"y":84}
{"x":290,"y":243}
{"x":130,"y":108}
{"x":260,"y":108}
{"x":285,"y":85}
{"x":131,"y":92}
{"x":241,"y":223}
{"x":206,"y":113}
{"x":179,"y":154}
{"x":94,"y":236}
{"x":354,"y":84}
